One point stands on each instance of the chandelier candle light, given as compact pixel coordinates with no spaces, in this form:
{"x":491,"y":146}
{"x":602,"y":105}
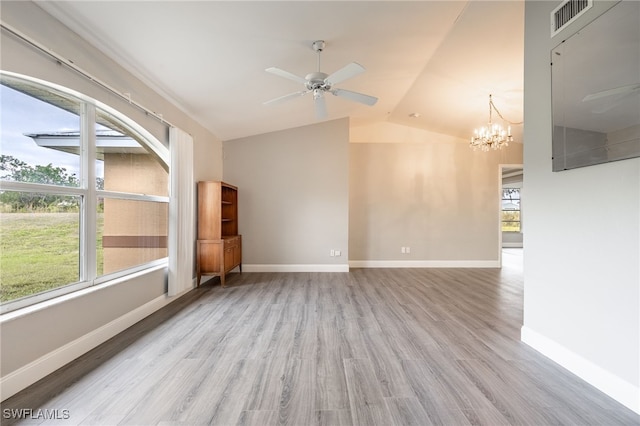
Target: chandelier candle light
{"x":493,"y":136}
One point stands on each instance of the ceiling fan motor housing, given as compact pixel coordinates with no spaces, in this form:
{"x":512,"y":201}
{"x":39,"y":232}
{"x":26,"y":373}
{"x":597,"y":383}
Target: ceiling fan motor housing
{"x":316,"y":80}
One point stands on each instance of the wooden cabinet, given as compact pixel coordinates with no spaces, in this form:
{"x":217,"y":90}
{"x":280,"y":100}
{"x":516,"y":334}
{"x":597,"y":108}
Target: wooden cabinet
{"x":219,"y":248}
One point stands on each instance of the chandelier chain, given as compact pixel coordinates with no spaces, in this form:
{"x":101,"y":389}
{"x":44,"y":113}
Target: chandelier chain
{"x":513,"y":123}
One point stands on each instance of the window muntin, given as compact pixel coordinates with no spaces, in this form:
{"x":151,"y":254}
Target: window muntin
{"x":141,"y":197}
{"x":510,"y":214}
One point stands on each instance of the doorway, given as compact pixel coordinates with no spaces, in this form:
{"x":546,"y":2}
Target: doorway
{"x":510,"y":228}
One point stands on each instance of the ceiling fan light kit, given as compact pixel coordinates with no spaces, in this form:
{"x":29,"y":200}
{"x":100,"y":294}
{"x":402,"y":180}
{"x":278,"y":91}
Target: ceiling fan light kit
{"x":320,"y":83}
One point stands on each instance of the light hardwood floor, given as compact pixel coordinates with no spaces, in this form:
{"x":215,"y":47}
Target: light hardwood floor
{"x":368,"y":347}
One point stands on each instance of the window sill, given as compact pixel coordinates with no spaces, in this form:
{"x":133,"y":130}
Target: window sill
{"x":104,"y":283}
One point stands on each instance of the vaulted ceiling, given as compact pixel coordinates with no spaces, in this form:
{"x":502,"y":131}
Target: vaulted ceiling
{"x":436,"y":59}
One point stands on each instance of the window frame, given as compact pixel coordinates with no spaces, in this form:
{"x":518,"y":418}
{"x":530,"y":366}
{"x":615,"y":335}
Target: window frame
{"x":86,"y":191}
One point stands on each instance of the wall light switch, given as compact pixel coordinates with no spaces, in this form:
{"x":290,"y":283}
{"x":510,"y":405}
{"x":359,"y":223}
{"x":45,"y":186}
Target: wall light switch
{"x":338,"y":253}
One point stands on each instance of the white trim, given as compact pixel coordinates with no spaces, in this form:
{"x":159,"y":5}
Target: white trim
{"x":132,"y":197}
{"x":424,"y":263}
{"x":512,"y":245}
{"x":622,"y":391}
{"x":28,"y":374}
{"x":7,"y":185}
{"x":294,"y":268}
{"x":89,"y":210}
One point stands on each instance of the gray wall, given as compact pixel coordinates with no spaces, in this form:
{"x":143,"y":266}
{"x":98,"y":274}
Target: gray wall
{"x":582,"y":242}
{"x":292,"y":196}
{"x":45,"y":336}
{"x":437,"y":196}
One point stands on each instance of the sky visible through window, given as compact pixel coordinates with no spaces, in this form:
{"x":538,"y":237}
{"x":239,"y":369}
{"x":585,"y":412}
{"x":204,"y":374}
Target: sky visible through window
{"x":23,"y":114}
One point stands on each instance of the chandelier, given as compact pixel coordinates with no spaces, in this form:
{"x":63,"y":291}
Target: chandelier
{"x":492,"y":136}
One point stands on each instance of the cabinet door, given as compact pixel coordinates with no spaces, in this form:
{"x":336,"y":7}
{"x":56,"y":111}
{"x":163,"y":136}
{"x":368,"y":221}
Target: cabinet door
{"x":209,"y":256}
{"x":237,"y":255}
{"x":228,"y":258}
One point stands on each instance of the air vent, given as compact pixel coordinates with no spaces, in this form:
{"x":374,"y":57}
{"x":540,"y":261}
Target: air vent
{"x":567,"y":12}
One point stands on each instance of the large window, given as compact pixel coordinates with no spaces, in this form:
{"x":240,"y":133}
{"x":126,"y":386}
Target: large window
{"x":83,"y":194}
{"x":511,"y":210}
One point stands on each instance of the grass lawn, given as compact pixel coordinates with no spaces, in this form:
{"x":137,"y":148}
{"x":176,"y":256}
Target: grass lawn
{"x":38,"y":252}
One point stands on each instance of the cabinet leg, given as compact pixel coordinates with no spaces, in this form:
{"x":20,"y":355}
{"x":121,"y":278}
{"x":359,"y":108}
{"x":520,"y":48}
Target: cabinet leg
{"x":199,"y":276}
{"x":222,"y":280}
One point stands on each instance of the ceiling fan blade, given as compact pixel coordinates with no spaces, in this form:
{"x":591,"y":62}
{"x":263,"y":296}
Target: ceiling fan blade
{"x":351,"y":70}
{"x":321,"y":106}
{"x":355,"y":96}
{"x":286,"y":74}
{"x":286,"y":97}
{"x":622,"y":90}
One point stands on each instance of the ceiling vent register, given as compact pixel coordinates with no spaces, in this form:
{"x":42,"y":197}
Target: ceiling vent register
{"x":567,"y":12}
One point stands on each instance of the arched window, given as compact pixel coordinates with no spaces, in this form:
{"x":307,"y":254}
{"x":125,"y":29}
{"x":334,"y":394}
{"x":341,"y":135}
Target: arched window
{"x":83,"y":193}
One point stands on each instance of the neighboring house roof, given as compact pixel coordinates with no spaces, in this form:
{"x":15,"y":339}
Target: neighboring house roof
{"x":107,"y":142}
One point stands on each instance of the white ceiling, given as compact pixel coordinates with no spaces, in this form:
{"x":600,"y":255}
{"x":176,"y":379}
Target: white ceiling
{"x":440,"y":59}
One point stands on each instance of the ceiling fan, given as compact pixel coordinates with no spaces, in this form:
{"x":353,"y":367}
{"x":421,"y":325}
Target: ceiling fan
{"x":320,"y":83}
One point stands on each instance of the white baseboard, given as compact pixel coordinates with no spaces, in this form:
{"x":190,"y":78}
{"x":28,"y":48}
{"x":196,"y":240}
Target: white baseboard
{"x":27,"y":375}
{"x":424,"y":263}
{"x":610,"y":384}
{"x":372,"y":264}
{"x":294,"y":268}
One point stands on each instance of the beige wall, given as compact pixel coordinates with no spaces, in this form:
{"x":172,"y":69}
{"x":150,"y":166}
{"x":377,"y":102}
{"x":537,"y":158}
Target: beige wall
{"x":292,"y":195}
{"x":410,"y":188}
{"x":432,"y":194}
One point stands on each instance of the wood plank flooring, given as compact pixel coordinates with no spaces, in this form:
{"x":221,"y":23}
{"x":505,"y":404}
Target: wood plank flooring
{"x":369,"y":347}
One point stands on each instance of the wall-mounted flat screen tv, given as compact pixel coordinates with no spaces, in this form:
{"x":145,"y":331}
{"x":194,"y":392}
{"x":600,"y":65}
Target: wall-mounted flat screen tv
{"x":595,"y":77}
